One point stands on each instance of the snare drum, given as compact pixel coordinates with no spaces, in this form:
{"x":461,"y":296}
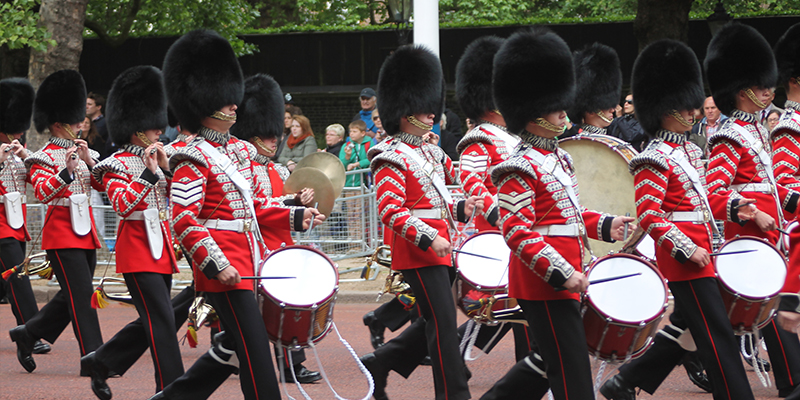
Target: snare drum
{"x":298,"y":311}
{"x":789,"y":227}
{"x":750,"y":282}
{"x":601,"y":167}
{"x":642,"y":245}
{"x":481,"y":278}
{"x":621,"y":317}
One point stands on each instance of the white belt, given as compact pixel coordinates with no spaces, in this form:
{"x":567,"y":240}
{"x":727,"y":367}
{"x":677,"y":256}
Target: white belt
{"x":236,"y":225}
{"x":689,"y":216}
{"x":572,"y":230}
{"x":63,"y":202}
{"x":24,"y":199}
{"x":139,"y":216}
{"x":753,"y":187}
{"x":429,"y":213}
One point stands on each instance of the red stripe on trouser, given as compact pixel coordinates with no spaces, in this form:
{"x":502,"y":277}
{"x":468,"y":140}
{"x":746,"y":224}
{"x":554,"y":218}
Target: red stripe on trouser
{"x":783,"y":352}
{"x":558,"y":349}
{"x":711,"y":339}
{"x":13,"y":294}
{"x":435,"y":325}
{"x":152,"y":338}
{"x":71,"y":303}
{"x":246,"y":353}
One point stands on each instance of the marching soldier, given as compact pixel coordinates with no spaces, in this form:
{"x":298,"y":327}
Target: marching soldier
{"x":16,"y":101}
{"x":598,"y":82}
{"x":60,"y":175}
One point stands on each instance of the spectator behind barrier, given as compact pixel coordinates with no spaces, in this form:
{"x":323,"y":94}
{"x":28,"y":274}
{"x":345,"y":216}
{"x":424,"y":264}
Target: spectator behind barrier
{"x":299,"y":143}
{"x":354,"y":154}
{"x":334,"y":139}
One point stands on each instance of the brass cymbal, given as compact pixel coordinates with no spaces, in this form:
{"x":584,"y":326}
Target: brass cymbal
{"x":315,"y":179}
{"x":330,"y":165}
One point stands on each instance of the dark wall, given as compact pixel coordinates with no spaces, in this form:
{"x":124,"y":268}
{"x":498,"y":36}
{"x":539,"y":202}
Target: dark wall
{"x":325,"y":71}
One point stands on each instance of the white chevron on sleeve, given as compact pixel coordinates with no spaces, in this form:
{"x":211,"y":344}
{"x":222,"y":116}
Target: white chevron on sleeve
{"x":514,"y":203}
{"x":187,"y":193}
{"x":474,"y":163}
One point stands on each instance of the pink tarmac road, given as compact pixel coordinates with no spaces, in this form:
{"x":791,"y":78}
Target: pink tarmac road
{"x":56,"y":376}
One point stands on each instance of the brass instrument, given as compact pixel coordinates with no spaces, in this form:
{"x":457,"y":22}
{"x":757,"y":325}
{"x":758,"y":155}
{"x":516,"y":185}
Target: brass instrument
{"x":330,"y":165}
{"x":313,"y":178}
{"x":120,"y":296}
{"x":512,"y":312}
{"x":30,"y":267}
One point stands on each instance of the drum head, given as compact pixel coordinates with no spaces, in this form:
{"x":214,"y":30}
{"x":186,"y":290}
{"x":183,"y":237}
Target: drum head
{"x":647,"y":247}
{"x":630,"y":300}
{"x":482,"y":271}
{"x":758,"y":274}
{"x":789,"y":228}
{"x":315,"y":277}
{"x":601,"y":167}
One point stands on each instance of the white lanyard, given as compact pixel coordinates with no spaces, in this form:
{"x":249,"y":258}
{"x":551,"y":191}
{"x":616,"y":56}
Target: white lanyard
{"x":691,"y":172}
{"x":510,"y":141}
{"x":550,"y":165}
{"x":429,"y":169}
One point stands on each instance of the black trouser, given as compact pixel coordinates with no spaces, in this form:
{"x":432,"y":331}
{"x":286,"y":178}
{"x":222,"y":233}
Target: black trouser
{"x":784,"y":354}
{"x":522,"y":337}
{"x":124,"y":349}
{"x":394,"y":315}
{"x":207,"y":373}
{"x":282,"y":357}
{"x":558,"y":331}
{"x":74,"y":269}
{"x":20,"y":294}
{"x":240,"y":315}
{"x":437,"y":329}
{"x":526,"y":380}
{"x":699,"y":303}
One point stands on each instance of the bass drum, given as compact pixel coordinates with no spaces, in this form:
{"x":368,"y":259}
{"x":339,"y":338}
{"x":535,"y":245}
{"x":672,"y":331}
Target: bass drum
{"x":601,"y":166}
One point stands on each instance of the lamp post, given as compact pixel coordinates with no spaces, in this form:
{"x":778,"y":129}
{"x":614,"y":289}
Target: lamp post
{"x":718,"y":19}
{"x":400,"y":14}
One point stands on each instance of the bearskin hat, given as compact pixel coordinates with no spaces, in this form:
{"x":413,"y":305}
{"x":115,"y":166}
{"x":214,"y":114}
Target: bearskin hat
{"x":787,"y":54}
{"x":261,"y":112}
{"x":598,"y":80}
{"x":16,"y":105}
{"x":532,"y":77}
{"x":666,"y":76}
{"x":737,"y":58}
{"x":410,"y":82}
{"x":136,"y":103}
{"x":474,"y":77}
{"x":61,"y":98}
{"x":202,"y":75}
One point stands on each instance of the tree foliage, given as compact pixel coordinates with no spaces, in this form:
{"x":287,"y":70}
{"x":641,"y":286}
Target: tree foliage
{"x":19,"y":26}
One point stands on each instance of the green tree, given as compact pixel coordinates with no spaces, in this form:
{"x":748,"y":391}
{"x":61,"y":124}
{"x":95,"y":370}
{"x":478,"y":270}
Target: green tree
{"x":19,"y":26}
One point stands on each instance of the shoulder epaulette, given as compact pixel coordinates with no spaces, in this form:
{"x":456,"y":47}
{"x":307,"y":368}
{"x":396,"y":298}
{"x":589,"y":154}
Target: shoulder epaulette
{"x":475,"y":135}
{"x":726,"y":133}
{"x":649,"y":156}
{"x":110,"y":164}
{"x":189,"y":152}
{"x":39,"y":157}
{"x":786,"y":123}
{"x":390,"y":156}
{"x":517,"y":163}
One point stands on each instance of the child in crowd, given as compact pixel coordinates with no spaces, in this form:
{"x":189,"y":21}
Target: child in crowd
{"x":354,"y":153}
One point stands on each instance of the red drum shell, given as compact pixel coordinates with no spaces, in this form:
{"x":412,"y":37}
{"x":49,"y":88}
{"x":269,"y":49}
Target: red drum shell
{"x":292,"y":321}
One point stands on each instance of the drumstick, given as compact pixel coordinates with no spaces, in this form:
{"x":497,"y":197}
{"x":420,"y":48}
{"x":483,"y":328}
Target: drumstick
{"x":725,"y":253}
{"x":269,"y":277}
{"x":625,"y":234}
{"x":603,"y":280}
{"x":475,"y":255}
{"x":782,"y":231}
{"x":311,"y":225}
{"x":742,"y":205}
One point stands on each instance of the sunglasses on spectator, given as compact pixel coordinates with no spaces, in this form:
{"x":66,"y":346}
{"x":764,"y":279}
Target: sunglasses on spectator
{"x":377,"y":117}
{"x":628,"y":101}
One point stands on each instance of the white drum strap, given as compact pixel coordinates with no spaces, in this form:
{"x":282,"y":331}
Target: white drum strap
{"x":370,"y":381}
{"x":691,"y":172}
{"x":429,"y":170}
{"x":550,"y":164}
{"x":229,"y":168}
{"x":766,"y":161}
{"x":510,"y":141}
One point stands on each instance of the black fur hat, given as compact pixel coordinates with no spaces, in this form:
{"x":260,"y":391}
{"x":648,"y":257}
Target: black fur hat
{"x":532,"y":77}
{"x":666,"y":76}
{"x":787,"y":54}
{"x":598,"y":80}
{"x":737,"y":58}
{"x":16,"y":105}
{"x":474,"y":76}
{"x":61,"y":98}
{"x":261,"y":112}
{"x":136,"y":103}
{"x":202,"y":75}
{"x":410,"y":82}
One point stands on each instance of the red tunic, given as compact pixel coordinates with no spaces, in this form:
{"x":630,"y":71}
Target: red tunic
{"x":531,"y":196}
{"x":12,"y":179}
{"x":481,"y":151}
{"x":403,"y":186}
{"x":662,"y":188}
{"x":786,"y":159}
{"x":202,"y":191}
{"x":733,"y":162}
{"x":51,"y":181}
{"x":131,"y":187}
{"x":269,"y":188}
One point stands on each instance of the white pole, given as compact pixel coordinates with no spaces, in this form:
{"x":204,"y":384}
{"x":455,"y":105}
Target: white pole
{"x":426,"y":24}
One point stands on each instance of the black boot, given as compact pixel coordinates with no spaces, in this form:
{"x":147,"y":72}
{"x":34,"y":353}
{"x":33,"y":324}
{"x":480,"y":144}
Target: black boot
{"x":379,"y":375}
{"x":304,"y":375}
{"x":616,"y":388}
{"x":376,"y":329}
{"x":25,"y":343}
{"x":696,"y":371}
{"x":99,"y":373}
{"x":41,"y":347}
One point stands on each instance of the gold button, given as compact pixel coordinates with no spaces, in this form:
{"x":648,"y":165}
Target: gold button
{"x":247,"y":226}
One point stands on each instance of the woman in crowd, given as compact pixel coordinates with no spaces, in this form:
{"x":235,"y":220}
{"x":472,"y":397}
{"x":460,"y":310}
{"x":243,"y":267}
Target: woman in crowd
{"x":300,"y":143}
{"x":334,"y":139}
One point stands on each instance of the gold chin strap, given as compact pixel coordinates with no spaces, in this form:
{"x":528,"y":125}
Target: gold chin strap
{"x":550,"y":127}
{"x":263,"y":146}
{"x":10,"y":137}
{"x":754,"y":99}
{"x":675,"y":114}
{"x":602,"y":116}
{"x":71,"y":132}
{"x":223,"y":117}
{"x":143,"y":138}
{"x":496,"y":111}
{"x":419,"y":124}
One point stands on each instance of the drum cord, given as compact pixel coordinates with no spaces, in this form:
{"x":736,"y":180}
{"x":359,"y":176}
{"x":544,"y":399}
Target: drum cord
{"x":470,"y":336}
{"x":352,"y":352}
{"x":760,"y":369}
